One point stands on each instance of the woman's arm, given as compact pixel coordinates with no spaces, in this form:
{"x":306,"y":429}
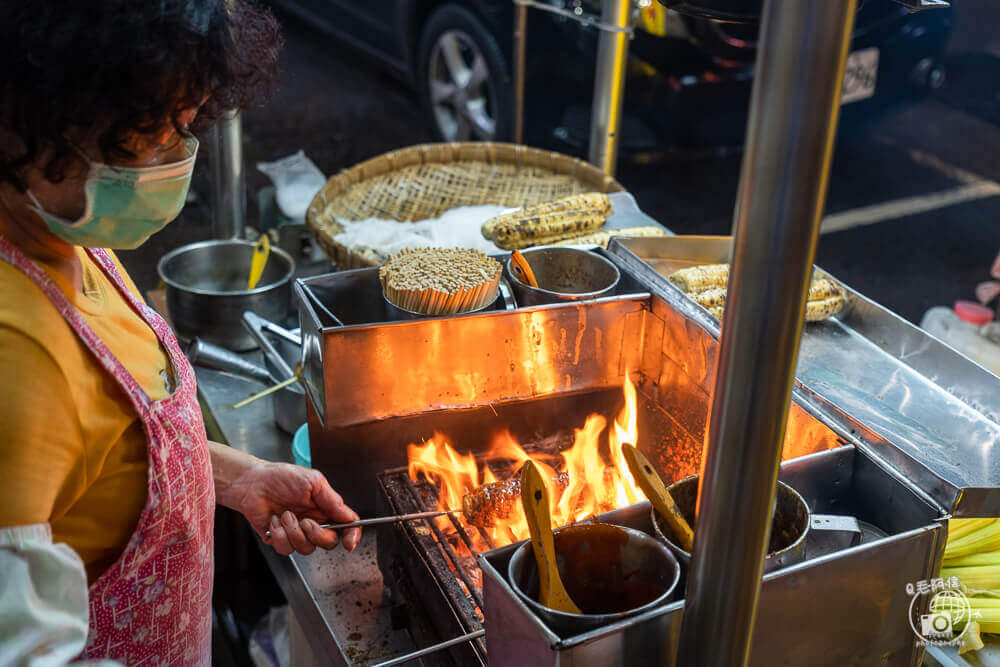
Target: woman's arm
{"x":288,"y":500}
{"x":43,"y":588}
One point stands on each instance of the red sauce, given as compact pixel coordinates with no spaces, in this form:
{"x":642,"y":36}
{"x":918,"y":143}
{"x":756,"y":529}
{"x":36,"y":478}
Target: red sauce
{"x":601,"y":575}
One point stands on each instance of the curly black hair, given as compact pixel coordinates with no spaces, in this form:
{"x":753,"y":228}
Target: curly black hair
{"x":108,"y":69}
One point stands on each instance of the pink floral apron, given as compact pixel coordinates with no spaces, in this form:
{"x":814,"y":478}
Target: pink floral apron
{"x":153,"y":605}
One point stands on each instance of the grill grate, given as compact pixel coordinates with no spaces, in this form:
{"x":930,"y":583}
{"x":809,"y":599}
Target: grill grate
{"x":439,"y":555}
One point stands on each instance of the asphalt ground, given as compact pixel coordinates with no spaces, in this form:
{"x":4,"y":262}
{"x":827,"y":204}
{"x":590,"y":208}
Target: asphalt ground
{"x":913,"y":210}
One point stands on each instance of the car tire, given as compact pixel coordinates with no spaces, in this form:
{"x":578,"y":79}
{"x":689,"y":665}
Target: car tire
{"x":464,"y":81}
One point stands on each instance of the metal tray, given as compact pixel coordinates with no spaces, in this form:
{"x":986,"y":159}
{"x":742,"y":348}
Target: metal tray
{"x":839,"y":608}
{"x":926,"y":409}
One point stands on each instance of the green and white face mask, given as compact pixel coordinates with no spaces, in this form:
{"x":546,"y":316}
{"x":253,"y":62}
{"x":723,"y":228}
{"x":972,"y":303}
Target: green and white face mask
{"x":125,"y":205}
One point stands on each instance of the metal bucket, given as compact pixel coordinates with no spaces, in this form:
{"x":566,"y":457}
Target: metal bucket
{"x":788,"y":529}
{"x":564,"y":274}
{"x":206,"y":295}
{"x":394,"y":313}
{"x":600,"y":564}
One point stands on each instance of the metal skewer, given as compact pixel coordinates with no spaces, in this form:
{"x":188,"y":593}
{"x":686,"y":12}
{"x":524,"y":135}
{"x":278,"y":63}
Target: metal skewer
{"x":433,"y":649}
{"x":380,"y":520}
{"x":388,"y":519}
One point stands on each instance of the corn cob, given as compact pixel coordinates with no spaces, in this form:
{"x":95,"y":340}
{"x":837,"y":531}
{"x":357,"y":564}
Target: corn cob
{"x":974,"y":560}
{"x":714,"y":297}
{"x":569,"y":238}
{"x":983,"y":539}
{"x":602,"y":238}
{"x":824,"y":308}
{"x":699,"y":278}
{"x":562,"y":218}
{"x":980,"y":578}
{"x":823,"y":288}
{"x":960,"y":527}
{"x":707,"y":284}
{"x":498,"y":500}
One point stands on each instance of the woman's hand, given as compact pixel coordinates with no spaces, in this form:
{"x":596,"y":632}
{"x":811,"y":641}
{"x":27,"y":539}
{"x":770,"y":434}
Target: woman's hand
{"x":287,"y":500}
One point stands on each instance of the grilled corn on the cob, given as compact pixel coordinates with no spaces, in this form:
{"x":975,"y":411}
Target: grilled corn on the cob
{"x":549,"y":222}
{"x":698,"y":278}
{"x":602,"y":238}
{"x":714,"y":297}
{"x":821,"y":309}
{"x":823,"y":288}
{"x":707,"y":285}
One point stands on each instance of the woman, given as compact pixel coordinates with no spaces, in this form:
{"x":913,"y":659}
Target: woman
{"x":109,"y":484}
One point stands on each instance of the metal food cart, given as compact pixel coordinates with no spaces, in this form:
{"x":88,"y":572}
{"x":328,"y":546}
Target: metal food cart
{"x":873,"y":417}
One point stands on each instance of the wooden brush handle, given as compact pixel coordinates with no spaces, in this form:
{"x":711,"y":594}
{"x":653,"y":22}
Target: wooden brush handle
{"x":535,"y":498}
{"x":651,"y":484}
{"x":522,"y":270}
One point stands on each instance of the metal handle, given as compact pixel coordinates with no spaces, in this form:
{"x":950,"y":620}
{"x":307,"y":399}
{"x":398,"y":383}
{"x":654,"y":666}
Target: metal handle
{"x":829,"y":533}
{"x":282,"y":332}
{"x":255,"y":325}
{"x":207,"y":355}
{"x":377,"y":521}
{"x":507,"y":294}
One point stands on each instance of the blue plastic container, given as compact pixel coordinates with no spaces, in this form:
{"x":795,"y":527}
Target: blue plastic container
{"x":300,"y":447}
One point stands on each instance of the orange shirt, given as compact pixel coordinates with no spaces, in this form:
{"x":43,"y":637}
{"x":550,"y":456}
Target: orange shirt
{"x":73,"y":452}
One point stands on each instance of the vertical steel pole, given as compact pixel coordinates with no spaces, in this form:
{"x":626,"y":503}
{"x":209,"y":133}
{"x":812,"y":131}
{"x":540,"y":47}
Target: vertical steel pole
{"x":609,"y":85}
{"x":793,"y":117}
{"x":229,"y":190}
{"x":520,"y":46}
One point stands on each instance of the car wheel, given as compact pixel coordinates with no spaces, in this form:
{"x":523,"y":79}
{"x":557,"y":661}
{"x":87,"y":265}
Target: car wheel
{"x":464,"y":83}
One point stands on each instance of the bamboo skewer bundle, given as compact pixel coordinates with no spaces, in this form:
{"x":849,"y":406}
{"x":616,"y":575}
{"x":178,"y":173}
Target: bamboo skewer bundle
{"x":440,"y":281}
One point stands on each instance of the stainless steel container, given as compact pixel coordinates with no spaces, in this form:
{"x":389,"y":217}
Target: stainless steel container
{"x":394,"y":312}
{"x":280,"y":357}
{"x":845,"y":608}
{"x":564,"y":274}
{"x":206,"y":295}
{"x":794,"y":524}
{"x":791,"y":521}
{"x":645,"y":560}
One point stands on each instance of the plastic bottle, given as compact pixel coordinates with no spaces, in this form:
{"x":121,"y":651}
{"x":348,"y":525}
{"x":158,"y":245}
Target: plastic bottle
{"x":944,"y":324}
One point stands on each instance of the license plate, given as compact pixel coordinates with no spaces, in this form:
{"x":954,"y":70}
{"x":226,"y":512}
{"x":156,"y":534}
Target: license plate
{"x":860,"y":75}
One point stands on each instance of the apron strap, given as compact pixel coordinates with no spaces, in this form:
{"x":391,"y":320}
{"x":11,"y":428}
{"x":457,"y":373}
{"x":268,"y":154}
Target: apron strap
{"x":16,"y":258}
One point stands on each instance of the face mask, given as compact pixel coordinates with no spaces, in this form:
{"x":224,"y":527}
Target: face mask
{"x":125,"y":205}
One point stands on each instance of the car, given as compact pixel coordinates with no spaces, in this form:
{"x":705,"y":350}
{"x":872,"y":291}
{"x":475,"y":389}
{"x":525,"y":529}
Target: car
{"x":688,"y":83}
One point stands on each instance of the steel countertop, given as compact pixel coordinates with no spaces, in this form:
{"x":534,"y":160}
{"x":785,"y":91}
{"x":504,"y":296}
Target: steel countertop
{"x":337,"y":597}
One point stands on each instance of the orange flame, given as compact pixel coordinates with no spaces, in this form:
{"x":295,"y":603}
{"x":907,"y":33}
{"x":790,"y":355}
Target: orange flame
{"x":597,"y":481}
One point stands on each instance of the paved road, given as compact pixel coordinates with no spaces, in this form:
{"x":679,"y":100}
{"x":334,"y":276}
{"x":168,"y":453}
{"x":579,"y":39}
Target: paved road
{"x":913,"y":214}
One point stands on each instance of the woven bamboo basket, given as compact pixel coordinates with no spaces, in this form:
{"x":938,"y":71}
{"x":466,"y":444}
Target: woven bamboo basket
{"x":424,"y":181}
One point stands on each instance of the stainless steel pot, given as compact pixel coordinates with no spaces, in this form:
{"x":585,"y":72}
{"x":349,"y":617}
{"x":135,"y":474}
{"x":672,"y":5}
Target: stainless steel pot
{"x":206,"y":295}
{"x":599,"y":563}
{"x":792,"y":528}
{"x":563,"y":274}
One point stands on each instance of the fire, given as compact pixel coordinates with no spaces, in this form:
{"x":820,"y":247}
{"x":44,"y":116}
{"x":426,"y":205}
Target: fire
{"x":597,"y":481}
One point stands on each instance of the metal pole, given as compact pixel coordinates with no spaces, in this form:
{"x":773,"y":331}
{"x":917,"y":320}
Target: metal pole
{"x":520,"y":46}
{"x":793,"y":116}
{"x":609,"y":85}
{"x":229,"y":188}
